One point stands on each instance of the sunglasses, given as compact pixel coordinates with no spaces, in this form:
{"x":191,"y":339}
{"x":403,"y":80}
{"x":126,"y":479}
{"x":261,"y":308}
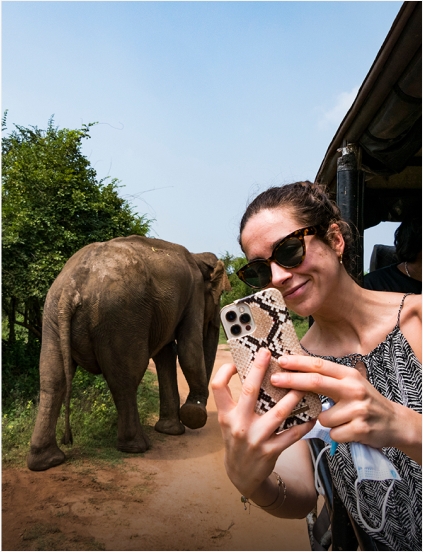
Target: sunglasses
{"x":288,"y":253}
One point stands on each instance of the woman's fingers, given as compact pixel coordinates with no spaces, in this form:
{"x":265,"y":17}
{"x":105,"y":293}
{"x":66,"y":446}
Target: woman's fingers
{"x":309,"y":364}
{"x":318,"y":376}
{"x":220,"y":386}
{"x":282,"y":410}
{"x":308,"y":382}
{"x":295,"y":433}
{"x":245,"y":408}
{"x":251,"y":384}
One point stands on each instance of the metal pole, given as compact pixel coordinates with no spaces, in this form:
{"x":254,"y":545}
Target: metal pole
{"x":349,"y":197}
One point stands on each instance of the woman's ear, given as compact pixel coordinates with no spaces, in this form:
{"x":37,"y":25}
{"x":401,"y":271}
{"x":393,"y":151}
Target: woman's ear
{"x":336,"y":239}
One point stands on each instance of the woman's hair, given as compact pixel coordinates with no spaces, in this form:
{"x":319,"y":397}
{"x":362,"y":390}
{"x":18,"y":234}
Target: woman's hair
{"x":408,"y":239}
{"x":311,"y":206}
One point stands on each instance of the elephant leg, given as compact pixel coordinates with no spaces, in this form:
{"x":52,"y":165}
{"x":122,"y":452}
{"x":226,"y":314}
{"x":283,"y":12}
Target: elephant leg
{"x":44,"y":452}
{"x":123,"y":386}
{"x":193,"y":413}
{"x":165,"y":362}
{"x":211,"y":341}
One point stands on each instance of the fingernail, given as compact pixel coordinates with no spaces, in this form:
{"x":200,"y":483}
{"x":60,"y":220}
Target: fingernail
{"x":283,"y":361}
{"x":275,"y":378}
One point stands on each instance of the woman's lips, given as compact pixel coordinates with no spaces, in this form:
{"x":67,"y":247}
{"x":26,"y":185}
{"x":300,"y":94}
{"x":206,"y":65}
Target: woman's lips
{"x":295,"y":291}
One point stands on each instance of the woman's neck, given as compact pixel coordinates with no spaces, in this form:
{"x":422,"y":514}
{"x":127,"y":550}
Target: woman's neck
{"x":356,"y":320}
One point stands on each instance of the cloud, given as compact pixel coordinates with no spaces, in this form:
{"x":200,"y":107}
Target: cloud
{"x":334,"y":115}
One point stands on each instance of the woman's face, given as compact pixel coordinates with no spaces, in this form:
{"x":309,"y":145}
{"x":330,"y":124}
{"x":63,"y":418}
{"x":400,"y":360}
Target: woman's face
{"x":306,"y":287}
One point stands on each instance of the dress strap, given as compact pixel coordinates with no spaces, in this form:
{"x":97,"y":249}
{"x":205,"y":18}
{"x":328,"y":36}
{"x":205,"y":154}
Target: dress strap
{"x":306,"y":350}
{"x":400,"y":307}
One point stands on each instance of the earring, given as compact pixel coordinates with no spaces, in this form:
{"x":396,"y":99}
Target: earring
{"x":340,"y":258}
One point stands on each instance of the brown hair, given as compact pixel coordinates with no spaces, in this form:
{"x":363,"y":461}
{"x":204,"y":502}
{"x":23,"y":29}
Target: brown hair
{"x":311,"y":206}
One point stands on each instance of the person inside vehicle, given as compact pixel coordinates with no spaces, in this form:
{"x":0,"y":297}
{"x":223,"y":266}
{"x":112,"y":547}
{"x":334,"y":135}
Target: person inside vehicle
{"x":363,"y":351}
{"x":405,"y":276}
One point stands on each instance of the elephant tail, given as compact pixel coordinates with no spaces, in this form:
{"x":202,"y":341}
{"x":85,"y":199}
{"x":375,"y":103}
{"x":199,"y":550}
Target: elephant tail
{"x":68,"y":302}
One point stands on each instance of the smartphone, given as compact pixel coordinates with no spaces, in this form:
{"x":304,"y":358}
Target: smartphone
{"x":263,"y":320}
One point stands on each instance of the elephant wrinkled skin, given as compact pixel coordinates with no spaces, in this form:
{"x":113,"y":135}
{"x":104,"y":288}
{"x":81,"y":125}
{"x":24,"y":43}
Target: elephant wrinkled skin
{"x":114,"y":306}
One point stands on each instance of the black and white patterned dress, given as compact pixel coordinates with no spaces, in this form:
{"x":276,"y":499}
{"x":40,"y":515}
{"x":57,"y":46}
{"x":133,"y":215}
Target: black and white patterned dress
{"x":393,"y":369}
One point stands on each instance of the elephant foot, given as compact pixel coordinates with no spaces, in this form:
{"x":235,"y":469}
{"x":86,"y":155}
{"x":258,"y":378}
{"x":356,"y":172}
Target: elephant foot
{"x":67,"y":438}
{"x":193,"y":415}
{"x":140,"y":444}
{"x":170,"y":427}
{"x":40,"y":459}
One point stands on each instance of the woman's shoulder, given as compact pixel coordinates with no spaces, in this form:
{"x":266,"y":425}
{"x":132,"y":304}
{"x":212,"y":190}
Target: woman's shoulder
{"x":392,"y":300}
{"x":407,"y":305}
{"x":410,"y":308}
{"x":411,"y":323}
{"x":413,"y":302}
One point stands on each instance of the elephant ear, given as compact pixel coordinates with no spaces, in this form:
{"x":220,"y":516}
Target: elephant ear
{"x":220,"y":281}
{"x":214,"y":273}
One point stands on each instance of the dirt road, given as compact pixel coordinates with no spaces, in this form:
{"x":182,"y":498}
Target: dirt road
{"x":176,"y":496}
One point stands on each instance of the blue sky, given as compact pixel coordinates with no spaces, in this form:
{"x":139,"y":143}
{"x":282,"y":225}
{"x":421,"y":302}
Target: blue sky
{"x":201,"y":105}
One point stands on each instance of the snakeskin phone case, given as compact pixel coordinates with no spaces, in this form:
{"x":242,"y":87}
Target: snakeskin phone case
{"x":262,"y":320}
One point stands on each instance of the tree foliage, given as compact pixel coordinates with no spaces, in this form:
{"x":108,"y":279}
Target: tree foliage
{"x":239,"y":289}
{"x":53,"y":204}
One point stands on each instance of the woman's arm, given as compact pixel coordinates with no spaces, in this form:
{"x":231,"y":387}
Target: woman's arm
{"x":299,"y":497}
{"x":411,"y":323}
{"x":252,"y":448}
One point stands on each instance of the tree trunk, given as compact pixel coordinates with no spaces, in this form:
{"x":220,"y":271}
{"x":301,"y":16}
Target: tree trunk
{"x":11,"y":321}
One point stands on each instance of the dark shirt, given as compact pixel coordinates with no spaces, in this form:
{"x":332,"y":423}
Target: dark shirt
{"x":390,"y":278}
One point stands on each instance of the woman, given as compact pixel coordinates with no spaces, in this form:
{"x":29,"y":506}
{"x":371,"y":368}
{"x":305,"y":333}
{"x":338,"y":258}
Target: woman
{"x":373,"y":373}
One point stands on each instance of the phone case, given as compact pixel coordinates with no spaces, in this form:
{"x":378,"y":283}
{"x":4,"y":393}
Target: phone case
{"x":271,"y":327}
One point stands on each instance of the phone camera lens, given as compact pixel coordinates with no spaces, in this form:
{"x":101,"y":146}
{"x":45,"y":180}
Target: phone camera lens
{"x":236,"y":329}
{"x":245,"y":318}
{"x":231,"y":316}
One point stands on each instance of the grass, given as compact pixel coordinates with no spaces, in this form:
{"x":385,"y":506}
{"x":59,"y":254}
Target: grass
{"x":44,"y":536}
{"x":93,"y":421}
{"x":301,"y":326}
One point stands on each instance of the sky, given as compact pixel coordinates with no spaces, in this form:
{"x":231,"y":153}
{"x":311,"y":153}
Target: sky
{"x":200,"y":105}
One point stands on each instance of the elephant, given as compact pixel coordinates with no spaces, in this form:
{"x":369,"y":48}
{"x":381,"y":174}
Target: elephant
{"x":115,"y":305}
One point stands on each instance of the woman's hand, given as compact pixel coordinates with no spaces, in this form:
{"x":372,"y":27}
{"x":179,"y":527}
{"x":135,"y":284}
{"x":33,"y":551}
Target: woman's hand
{"x":360,"y":412}
{"x":251,"y":445}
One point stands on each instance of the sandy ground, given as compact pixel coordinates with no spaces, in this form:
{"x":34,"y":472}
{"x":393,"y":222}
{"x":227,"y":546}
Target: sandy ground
{"x":176,"y":496}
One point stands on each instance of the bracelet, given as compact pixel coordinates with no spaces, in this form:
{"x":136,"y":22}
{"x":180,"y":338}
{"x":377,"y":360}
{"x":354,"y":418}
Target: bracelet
{"x":281,"y":485}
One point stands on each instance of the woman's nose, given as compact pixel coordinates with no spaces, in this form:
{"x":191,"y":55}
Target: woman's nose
{"x":279,"y":274}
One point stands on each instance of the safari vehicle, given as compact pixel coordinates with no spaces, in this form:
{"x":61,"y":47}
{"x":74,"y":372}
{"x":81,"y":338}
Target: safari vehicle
{"x":373,"y":171}
{"x":373,"y":166}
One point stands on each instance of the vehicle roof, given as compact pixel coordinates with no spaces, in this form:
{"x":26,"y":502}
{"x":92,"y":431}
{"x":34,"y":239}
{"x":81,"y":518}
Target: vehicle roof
{"x":385,"y":122}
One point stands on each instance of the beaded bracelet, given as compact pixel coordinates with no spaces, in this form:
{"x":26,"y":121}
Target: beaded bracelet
{"x":281,"y":485}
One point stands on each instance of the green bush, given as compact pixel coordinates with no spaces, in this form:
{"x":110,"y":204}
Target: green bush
{"x":20,"y":375}
{"x":93,"y":419}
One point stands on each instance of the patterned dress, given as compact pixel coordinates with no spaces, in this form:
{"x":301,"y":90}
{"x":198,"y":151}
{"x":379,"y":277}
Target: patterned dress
{"x":393,"y":369}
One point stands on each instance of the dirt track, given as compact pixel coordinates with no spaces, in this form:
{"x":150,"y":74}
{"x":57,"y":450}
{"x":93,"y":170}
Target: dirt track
{"x":176,"y":496}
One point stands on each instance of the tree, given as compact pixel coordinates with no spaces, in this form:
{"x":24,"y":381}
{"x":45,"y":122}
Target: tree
{"x":53,"y":204}
{"x":239,"y":289}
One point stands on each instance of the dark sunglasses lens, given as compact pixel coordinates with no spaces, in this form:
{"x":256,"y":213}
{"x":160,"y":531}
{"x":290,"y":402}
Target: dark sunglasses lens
{"x":289,"y":253}
{"x":257,"y":275}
